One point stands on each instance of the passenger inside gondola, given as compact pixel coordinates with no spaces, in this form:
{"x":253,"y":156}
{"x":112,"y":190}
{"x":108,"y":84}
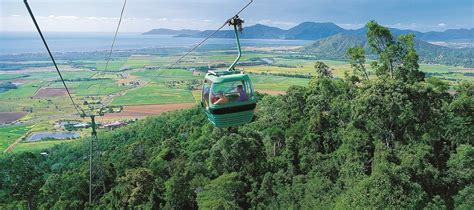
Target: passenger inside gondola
{"x":206,"y":89}
{"x":242,"y":94}
{"x":221,"y":98}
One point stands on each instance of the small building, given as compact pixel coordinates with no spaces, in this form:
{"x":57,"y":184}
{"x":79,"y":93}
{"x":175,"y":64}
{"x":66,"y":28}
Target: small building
{"x":115,"y":124}
{"x":196,"y":73}
{"x":81,"y":125}
{"x":125,"y":68}
{"x":152,"y":67}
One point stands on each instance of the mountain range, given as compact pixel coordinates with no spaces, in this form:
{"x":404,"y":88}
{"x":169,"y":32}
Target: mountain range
{"x":312,"y":31}
{"x":332,"y":41}
{"x":335,"y":47}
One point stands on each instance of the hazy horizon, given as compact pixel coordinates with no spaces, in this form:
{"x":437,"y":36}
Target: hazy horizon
{"x":144,"y":15}
{"x":134,"y":32}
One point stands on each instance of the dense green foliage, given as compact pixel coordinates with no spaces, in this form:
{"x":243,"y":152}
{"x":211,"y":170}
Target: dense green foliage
{"x":7,"y":86}
{"x":395,"y":141}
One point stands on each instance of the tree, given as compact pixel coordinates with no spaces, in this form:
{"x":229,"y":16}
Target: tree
{"x":178,"y":194}
{"x":24,"y":177}
{"x":224,"y":192}
{"x":465,"y":198}
{"x":461,"y":166}
{"x":461,"y":115}
{"x":132,"y":190}
{"x":317,"y":193}
{"x":436,"y":203}
{"x":378,"y":37}
{"x":388,"y":187}
{"x":357,"y":55}
{"x":397,"y":57}
{"x":408,"y":71}
{"x":322,"y":69}
{"x":66,"y":190}
{"x":381,"y":42}
{"x":243,"y":152}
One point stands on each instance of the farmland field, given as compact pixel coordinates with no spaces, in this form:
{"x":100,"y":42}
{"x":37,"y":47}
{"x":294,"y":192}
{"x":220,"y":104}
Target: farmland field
{"x":7,"y":117}
{"x":10,"y":134}
{"x":50,"y":92}
{"x":23,"y":91}
{"x":146,"y":110}
{"x":84,"y":88}
{"x":278,"y":83}
{"x":12,"y":76}
{"x":114,"y":65}
{"x":154,"y":94}
{"x":38,"y":146}
{"x":146,"y":85}
{"x":166,"y":75}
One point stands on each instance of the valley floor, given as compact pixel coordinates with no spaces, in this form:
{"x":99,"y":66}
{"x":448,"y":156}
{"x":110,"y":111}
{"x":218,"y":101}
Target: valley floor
{"x":142,"y":85}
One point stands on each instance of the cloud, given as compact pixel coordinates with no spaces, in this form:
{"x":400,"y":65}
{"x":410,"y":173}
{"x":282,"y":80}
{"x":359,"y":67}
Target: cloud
{"x":68,"y":17}
{"x":63,"y":17}
{"x":442,"y":25}
{"x":99,"y":18}
{"x":277,"y":23}
{"x":102,"y":24}
{"x":409,"y":26}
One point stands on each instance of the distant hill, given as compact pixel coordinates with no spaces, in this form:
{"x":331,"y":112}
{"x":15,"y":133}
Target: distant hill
{"x":335,"y":47}
{"x":258,"y":31}
{"x":303,"y":31}
{"x":332,"y":41}
{"x":450,"y":34}
{"x":312,"y":31}
{"x":164,"y":31}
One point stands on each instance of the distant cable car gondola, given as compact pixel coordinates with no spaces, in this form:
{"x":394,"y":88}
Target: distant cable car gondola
{"x":227,"y":95}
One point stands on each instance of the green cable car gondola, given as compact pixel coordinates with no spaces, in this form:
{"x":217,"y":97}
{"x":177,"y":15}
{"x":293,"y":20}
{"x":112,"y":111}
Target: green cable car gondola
{"x":227,"y":95}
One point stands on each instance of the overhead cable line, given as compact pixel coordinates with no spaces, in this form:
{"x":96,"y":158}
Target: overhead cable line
{"x":113,"y":44}
{"x":92,"y":152}
{"x":212,"y":34}
{"x":78,"y":109}
{"x":96,"y":182}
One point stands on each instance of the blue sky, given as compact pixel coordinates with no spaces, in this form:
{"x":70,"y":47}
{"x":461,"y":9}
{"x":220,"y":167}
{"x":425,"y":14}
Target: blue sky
{"x":143,"y":15}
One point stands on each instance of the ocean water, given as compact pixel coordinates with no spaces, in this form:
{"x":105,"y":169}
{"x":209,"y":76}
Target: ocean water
{"x":30,"y":42}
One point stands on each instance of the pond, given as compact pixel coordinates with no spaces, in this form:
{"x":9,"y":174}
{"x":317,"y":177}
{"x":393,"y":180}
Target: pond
{"x":53,"y":135}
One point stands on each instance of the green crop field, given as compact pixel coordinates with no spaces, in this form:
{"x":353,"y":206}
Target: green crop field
{"x":114,"y":64}
{"x":10,"y":134}
{"x":264,"y":82}
{"x":23,"y":91}
{"x":438,"y":68}
{"x":38,"y":146}
{"x":136,"y":63}
{"x":12,"y":76}
{"x":107,"y":87}
{"x":299,"y":67}
{"x":52,"y":76}
{"x":448,"y":73}
{"x":154,"y":94}
{"x":166,"y":75}
{"x":86,"y":88}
